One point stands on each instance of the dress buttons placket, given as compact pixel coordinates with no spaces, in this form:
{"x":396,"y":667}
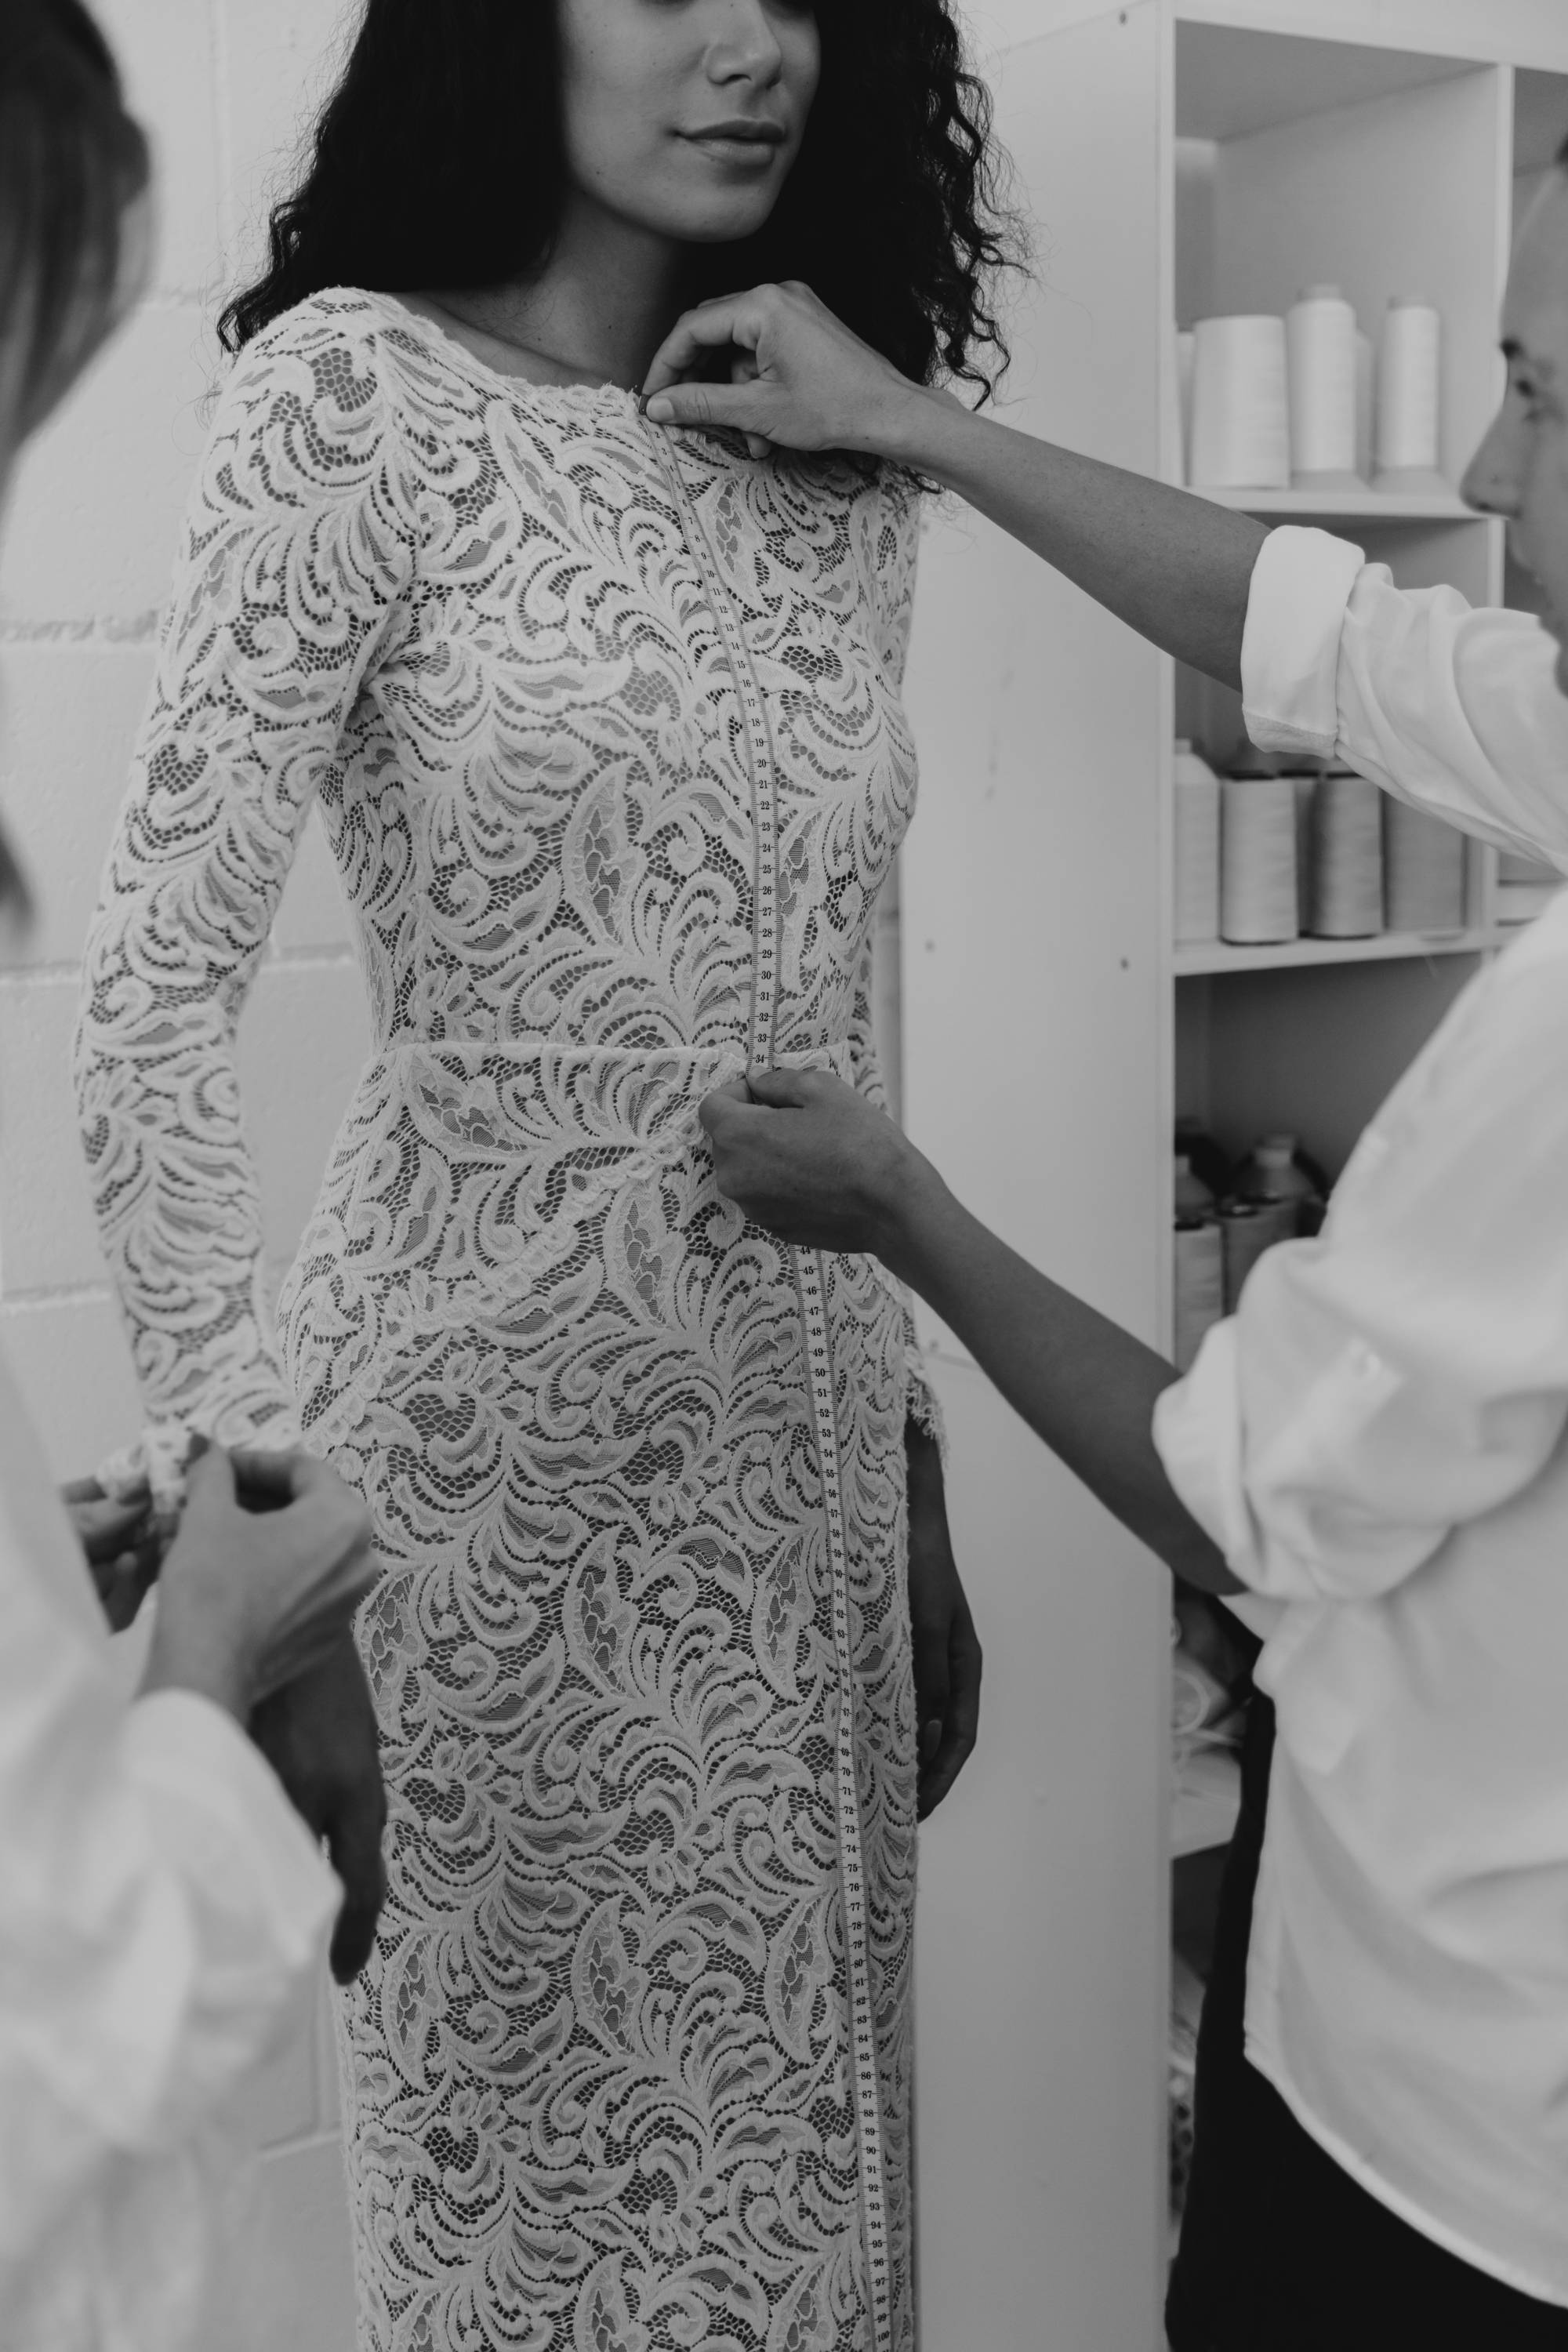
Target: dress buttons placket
{"x":816,"y":1331}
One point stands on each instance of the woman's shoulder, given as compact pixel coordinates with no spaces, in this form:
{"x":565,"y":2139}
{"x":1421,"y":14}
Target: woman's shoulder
{"x":343,"y":316}
{"x":866,"y":490}
{"x":309,"y":405}
{"x":901,"y":496}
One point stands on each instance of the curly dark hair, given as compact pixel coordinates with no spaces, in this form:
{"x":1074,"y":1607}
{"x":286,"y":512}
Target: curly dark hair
{"x":438,"y":162}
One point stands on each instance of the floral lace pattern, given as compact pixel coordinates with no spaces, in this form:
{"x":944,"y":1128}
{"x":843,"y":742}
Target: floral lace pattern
{"x":606,"y":730}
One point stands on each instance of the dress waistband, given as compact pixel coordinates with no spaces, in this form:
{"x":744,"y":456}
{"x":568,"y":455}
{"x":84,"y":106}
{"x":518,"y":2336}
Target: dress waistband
{"x":525,"y":1096}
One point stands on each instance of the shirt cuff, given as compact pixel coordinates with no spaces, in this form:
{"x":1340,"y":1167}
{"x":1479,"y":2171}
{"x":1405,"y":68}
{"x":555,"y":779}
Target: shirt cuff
{"x":1197,"y":1435}
{"x":1300,"y":586}
{"x":234,"y":1811}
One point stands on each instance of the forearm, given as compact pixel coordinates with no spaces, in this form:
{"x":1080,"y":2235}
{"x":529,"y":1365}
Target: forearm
{"x":1084,"y":1385}
{"x":178,"y":1203}
{"x":1174,"y":567}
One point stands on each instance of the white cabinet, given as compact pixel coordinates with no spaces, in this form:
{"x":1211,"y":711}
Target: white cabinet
{"x":1174,"y":160}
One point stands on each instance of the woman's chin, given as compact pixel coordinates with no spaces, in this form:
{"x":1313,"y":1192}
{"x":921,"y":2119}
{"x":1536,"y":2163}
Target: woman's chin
{"x":717,"y":215}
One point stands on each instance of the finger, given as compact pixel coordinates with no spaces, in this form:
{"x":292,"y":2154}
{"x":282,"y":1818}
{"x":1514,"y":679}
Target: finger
{"x":729,"y":319}
{"x":263,"y":1476}
{"x":83,"y":1490}
{"x":210,"y":1478}
{"x":310,"y":1478}
{"x":742,"y":406}
{"x":106,"y":1528}
{"x":354,"y":1838}
{"x":719,"y":1105}
{"x":960,"y":1725}
{"x":786,"y":1089}
{"x":327,"y":1511}
{"x":133,"y":1578}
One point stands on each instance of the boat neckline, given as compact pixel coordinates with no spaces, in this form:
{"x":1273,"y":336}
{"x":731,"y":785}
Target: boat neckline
{"x":447,"y":347}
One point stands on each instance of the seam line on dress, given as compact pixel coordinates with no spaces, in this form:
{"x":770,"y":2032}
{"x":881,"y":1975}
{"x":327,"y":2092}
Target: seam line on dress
{"x":865,"y":2085}
{"x":810,"y":1286}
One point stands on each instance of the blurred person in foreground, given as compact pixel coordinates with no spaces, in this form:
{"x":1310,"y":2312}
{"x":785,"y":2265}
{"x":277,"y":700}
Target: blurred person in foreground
{"x":1377,"y":1444}
{"x":164,"y":1907}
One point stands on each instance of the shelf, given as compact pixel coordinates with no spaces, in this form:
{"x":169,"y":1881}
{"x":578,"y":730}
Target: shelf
{"x":1335,"y":505}
{"x":1234,"y":80}
{"x":1206,"y":1803}
{"x":1385,"y":946}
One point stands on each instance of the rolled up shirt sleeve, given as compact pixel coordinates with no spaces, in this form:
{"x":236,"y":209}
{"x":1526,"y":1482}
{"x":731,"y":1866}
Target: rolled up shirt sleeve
{"x":1452,"y":708}
{"x":1408,"y":1371}
{"x":163,"y":1910}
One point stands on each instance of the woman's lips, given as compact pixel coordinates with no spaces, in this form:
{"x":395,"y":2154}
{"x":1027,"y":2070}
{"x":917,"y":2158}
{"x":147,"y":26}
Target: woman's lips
{"x":740,"y":141}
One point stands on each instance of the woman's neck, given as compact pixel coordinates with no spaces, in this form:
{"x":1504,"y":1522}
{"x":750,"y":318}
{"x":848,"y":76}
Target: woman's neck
{"x":595,"y":312}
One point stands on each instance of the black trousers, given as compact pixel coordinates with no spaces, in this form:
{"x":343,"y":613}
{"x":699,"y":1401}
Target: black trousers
{"x":1281,"y":2250}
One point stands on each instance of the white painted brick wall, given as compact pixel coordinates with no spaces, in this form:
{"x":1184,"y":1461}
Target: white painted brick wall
{"x":224,"y":87}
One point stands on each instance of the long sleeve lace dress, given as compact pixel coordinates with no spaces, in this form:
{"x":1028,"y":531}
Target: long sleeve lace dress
{"x":604,"y":726}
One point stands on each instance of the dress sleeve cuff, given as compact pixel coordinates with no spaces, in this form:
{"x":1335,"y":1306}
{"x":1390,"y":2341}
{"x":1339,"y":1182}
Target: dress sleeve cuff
{"x":1302,"y":584}
{"x":1197,"y":1435}
{"x":236,"y":1816}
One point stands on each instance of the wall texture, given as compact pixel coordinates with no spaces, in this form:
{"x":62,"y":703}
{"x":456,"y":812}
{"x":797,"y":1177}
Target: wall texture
{"x":222,"y":86}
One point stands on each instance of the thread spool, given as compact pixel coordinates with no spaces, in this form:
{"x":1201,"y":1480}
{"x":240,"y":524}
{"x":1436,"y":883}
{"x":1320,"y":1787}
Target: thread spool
{"x":1258,"y":861}
{"x":1365,"y":405}
{"x":1196,"y":912}
{"x":1247,"y":1228}
{"x":1304,"y":785}
{"x":1199,"y":1287}
{"x":1408,"y":398}
{"x":1319,"y":332}
{"x":1240,"y":429}
{"x":1423,"y":871}
{"x":1346,"y":895}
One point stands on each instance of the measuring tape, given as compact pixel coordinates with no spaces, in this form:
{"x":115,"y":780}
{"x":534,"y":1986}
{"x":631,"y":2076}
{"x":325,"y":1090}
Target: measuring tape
{"x":810,"y":1277}
{"x":810,"y":1287}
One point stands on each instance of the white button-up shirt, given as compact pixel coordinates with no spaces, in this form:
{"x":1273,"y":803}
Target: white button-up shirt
{"x":1376,"y":1440}
{"x":163,"y":1910}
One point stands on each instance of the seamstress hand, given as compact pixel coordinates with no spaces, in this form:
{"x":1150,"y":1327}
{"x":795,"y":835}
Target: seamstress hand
{"x":946,"y":1647}
{"x":123,"y":1545}
{"x":271,"y":1560}
{"x":319,"y":1735}
{"x":806,"y":1156}
{"x":799,"y":379}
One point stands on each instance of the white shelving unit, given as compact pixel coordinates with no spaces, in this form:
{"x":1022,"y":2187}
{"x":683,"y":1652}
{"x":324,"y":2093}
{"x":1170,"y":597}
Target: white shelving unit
{"x":1180,"y":156}
{"x":1194,"y":964}
{"x":1331,"y":508}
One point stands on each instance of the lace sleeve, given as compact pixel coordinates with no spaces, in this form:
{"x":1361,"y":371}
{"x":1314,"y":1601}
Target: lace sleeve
{"x":297,"y":547}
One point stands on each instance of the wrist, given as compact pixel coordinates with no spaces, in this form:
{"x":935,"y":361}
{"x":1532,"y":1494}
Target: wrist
{"x":195,"y":1650}
{"x":912,"y":425}
{"x":902,"y":1207}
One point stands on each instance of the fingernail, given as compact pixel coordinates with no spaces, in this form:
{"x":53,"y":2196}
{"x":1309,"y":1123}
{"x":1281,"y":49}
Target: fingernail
{"x":659,"y":408}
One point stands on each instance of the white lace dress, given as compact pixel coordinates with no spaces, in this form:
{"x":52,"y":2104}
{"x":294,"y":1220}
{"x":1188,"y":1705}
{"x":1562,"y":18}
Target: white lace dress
{"x":604,"y":726}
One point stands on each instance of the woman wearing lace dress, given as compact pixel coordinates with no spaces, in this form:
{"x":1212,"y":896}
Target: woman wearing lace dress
{"x":604,"y":727}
